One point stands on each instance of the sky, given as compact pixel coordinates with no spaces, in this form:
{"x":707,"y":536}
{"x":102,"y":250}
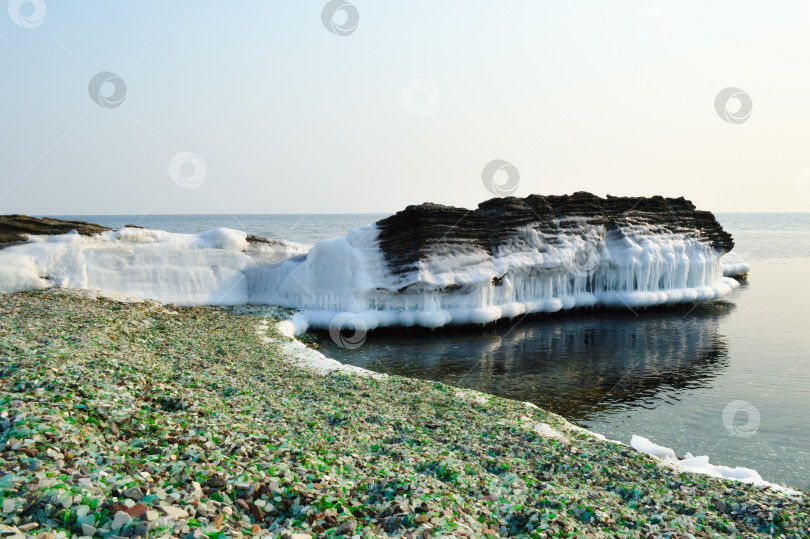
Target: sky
{"x":194,"y":106}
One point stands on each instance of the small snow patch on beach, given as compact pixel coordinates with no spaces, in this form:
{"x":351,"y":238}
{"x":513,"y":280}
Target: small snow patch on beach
{"x":643,"y":445}
{"x":296,"y":325}
{"x":302,"y":355}
{"x":702,"y":465}
{"x":547,"y":431}
{"x":543,"y":429}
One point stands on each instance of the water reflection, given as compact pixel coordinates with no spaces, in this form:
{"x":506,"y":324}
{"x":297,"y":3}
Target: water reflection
{"x":577,"y":365}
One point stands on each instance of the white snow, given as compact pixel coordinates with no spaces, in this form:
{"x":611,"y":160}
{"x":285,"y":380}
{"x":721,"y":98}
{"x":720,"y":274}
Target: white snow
{"x":643,"y":445}
{"x":631,"y":268}
{"x":296,"y":325}
{"x":300,"y":354}
{"x":702,"y":465}
{"x":547,"y":431}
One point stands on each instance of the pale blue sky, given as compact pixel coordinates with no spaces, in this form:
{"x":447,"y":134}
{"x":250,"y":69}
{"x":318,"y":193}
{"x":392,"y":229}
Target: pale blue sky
{"x":289,"y":118}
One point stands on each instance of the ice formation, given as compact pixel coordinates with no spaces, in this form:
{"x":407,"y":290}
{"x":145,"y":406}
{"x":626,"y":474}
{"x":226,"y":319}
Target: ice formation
{"x":734,"y":266}
{"x":185,"y":269}
{"x":351,"y":275}
{"x":426,"y":266}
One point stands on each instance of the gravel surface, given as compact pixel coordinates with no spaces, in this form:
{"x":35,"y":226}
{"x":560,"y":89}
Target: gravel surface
{"x":136,"y":419}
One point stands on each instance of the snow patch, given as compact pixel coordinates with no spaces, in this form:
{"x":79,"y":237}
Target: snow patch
{"x":643,"y":445}
{"x":702,"y":465}
{"x":547,"y":431}
{"x":299,"y":354}
{"x":543,"y":429}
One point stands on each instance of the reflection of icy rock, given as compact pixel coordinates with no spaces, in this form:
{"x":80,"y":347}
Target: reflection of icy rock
{"x":702,"y":465}
{"x":585,"y":364}
{"x":734,"y":266}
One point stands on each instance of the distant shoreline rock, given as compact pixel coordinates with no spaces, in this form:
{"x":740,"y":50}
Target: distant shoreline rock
{"x":14,"y":229}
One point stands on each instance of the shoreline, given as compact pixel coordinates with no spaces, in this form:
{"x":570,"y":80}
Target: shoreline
{"x":231,"y":434}
{"x":318,"y":361}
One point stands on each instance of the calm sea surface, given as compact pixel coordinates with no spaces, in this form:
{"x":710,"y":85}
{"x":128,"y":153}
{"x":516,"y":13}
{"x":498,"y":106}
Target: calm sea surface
{"x":674,"y":376}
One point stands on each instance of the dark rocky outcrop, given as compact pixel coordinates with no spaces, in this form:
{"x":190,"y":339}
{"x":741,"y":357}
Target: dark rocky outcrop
{"x":15,"y":229}
{"x":418,"y":231}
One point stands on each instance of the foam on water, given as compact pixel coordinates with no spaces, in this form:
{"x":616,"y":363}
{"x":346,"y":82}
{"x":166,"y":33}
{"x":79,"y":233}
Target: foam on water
{"x":583,"y":267}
